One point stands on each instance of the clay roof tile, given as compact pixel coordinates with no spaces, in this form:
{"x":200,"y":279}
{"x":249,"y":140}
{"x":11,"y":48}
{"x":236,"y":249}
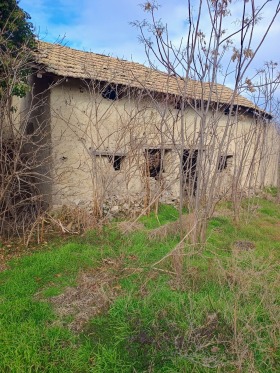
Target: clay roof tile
{"x":67,"y":62}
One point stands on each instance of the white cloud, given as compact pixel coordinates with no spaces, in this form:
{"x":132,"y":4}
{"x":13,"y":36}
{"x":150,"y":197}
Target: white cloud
{"x":104,"y":27}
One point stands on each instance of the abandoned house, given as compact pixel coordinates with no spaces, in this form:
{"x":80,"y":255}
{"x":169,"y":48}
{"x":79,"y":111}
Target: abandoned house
{"x":115,"y":134}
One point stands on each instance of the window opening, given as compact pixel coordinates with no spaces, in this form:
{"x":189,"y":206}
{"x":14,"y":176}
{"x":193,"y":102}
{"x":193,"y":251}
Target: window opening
{"x":178,"y":104}
{"x":224,"y":162}
{"x":30,"y":129}
{"x":189,"y":169}
{"x":110,"y":92}
{"x":117,"y":160}
{"x":153,"y":162}
{"x":114,"y":158}
{"x":231,"y":112}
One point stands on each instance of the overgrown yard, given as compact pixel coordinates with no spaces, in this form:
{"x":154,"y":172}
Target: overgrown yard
{"x":99,"y":303}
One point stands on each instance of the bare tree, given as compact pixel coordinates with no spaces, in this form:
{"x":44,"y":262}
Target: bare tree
{"x":204,"y":61}
{"x":116,"y":130}
{"x":24,"y":152}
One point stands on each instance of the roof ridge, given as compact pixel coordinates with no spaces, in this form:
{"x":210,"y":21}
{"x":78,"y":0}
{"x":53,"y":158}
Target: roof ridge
{"x":89,"y":65}
{"x":57,"y":44}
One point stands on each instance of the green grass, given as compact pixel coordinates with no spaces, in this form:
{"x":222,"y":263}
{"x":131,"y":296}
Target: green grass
{"x":222,"y":314}
{"x":165,"y":214}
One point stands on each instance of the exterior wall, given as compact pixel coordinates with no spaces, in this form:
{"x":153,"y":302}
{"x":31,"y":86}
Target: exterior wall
{"x":84,"y":122}
{"x":37,"y":124}
{"x":88,"y":131}
{"x":32,"y":131}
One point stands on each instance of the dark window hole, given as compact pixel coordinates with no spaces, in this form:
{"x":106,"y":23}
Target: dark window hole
{"x":116,"y":161}
{"x":30,"y":128}
{"x":189,"y":169}
{"x":224,"y":162}
{"x":153,"y":162}
{"x":110,"y":92}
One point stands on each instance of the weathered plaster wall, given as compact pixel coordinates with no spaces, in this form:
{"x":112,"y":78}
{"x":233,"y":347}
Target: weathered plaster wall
{"x":83,"y":122}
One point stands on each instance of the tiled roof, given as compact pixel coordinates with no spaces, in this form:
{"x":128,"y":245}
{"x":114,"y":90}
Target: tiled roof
{"x":67,"y":62}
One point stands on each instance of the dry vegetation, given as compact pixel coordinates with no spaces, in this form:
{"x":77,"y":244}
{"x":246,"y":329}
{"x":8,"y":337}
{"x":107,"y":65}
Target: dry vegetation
{"x":94,"y":293}
{"x":168,"y":291}
{"x":110,"y":301}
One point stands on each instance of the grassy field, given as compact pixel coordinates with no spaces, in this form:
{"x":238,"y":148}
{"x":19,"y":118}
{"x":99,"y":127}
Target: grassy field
{"x":98,"y":304}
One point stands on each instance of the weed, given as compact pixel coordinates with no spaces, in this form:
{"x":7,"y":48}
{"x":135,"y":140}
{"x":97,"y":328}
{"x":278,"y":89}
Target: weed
{"x":222,"y":314}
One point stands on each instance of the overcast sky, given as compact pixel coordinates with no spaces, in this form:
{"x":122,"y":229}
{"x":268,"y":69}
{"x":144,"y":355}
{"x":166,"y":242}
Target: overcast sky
{"x":105,"y":26}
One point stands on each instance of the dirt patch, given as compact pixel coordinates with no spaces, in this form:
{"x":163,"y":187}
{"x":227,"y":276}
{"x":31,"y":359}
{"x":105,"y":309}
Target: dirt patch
{"x":93,"y":294}
{"x":209,"y":344}
{"x":244,"y":245}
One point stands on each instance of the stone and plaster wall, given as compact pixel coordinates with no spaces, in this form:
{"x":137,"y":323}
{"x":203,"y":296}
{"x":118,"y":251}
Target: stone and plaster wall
{"x":89,"y":133}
